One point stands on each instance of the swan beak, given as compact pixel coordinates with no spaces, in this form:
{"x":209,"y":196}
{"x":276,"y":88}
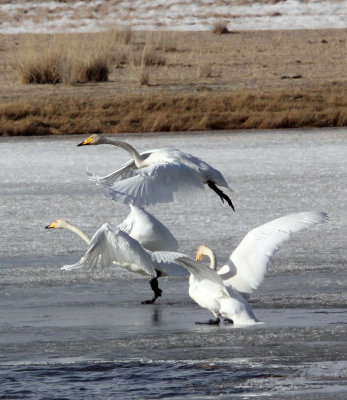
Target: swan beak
{"x":52,"y":225}
{"x":85,"y":142}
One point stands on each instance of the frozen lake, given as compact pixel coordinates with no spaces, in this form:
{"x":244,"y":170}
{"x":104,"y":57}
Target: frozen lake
{"x":71,"y":335}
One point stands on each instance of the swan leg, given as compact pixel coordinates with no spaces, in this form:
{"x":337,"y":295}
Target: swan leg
{"x":220,"y":193}
{"x":157,"y":292}
{"x":209,"y":322}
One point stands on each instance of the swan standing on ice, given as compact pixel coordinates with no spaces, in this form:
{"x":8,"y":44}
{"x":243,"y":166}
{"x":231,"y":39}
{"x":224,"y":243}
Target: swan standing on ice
{"x":221,"y":292}
{"x":246,"y":268}
{"x":158,"y":176}
{"x":206,"y":287}
{"x":139,"y":225}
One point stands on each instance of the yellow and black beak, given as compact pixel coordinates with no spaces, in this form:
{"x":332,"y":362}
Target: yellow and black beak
{"x":87,"y":141}
{"x":52,"y":225}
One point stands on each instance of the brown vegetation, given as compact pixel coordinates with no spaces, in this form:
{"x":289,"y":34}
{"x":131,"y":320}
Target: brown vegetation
{"x":220,"y":28}
{"x":67,"y":59}
{"x":154,"y":113}
{"x":165,"y":83}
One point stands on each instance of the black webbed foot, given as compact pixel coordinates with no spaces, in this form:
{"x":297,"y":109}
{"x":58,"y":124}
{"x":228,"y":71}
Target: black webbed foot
{"x":220,"y":193}
{"x":156,"y":290}
{"x":209,"y":322}
{"x":228,"y":321}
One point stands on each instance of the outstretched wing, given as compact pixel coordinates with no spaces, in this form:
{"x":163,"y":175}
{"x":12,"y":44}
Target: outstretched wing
{"x":127,"y":171}
{"x":112,"y":246}
{"x":247,"y":265}
{"x":157,"y":183}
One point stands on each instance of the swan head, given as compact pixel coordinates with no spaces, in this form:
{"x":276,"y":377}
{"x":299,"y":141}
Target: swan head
{"x":202,"y":252}
{"x":93,"y":139}
{"x":58,"y":224}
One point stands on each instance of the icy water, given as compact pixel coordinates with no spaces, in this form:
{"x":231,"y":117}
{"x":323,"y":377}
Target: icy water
{"x":67,"y":335}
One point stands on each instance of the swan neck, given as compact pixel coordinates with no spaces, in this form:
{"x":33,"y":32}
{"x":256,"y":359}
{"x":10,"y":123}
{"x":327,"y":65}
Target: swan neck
{"x":130,"y":149}
{"x":78,"y":231}
{"x":213,"y":259}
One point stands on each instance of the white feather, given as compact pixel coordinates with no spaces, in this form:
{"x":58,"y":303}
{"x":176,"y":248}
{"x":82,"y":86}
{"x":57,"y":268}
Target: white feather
{"x":248,"y":264}
{"x":111,"y":246}
{"x":148,"y":230}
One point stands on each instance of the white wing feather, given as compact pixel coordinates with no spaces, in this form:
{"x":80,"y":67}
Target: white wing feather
{"x":247,"y":265}
{"x":112,"y":246}
{"x":148,"y":230}
{"x":127,"y":171}
{"x":157,"y":183}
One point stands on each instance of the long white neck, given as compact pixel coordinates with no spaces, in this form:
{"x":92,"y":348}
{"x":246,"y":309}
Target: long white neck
{"x":130,"y":149}
{"x":211,"y":255}
{"x":80,"y":233}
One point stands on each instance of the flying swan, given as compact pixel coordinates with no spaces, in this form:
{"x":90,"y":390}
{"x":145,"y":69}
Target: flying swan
{"x":158,"y":176}
{"x":110,"y":245}
{"x":245,"y":270}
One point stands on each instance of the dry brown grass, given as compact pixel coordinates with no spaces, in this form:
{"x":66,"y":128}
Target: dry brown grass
{"x":220,"y":28}
{"x":67,"y":59}
{"x":145,"y":62}
{"x":142,"y":94}
{"x":154,"y":113}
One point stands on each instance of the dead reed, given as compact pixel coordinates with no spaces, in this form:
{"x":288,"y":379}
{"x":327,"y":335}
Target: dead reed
{"x":220,"y":28}
{"x":67,"y":59}
{"x":146,"y":61}
{"x":155,"y":113}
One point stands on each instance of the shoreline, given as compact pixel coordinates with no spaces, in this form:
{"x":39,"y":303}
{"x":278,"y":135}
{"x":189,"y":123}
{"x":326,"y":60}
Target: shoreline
{"x":252,"y":80}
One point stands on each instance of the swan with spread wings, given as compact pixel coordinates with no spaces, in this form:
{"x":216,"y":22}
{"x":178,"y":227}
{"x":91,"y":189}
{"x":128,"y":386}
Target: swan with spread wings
{"x":158,"y":176}
{"x":125,"y":246}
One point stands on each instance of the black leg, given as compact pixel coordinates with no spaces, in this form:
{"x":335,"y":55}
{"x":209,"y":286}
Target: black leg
{"x":209,"y":322}
{"x":156,"y":290}
{"x":221,"y":194}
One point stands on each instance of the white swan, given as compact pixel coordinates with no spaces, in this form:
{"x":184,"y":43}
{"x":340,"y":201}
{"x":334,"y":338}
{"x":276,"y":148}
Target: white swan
{"x":158,"y":176}
{"x":221,"y":292}
{"x":245,"y":269}
{"x":140,"y":226}
{"x":207,"y":288}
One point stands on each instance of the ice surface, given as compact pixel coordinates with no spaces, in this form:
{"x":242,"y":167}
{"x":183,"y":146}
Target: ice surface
{"x":61,"y":331}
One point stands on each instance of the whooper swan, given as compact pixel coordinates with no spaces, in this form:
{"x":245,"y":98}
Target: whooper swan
{"x":158,"y":176}
{"x":244,"y":271}
{"x":139,"y":225}
{"x":207,"y":288}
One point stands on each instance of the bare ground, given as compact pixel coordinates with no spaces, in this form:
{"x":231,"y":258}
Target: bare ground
{"x":264,"y":79}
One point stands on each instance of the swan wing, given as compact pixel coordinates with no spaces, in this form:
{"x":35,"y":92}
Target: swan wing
{"x":247,"y":265}
{"x":127,"y":171}
{"x":157,"y":183}
{"x":112,"y":246}
{"x":148,"y":230}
